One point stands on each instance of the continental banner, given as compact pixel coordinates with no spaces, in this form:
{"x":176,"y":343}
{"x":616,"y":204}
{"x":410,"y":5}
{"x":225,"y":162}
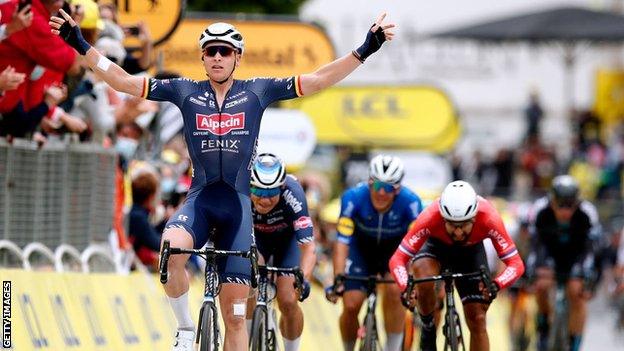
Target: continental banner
{"x":272,"y":49}
{"x":416,"y":117}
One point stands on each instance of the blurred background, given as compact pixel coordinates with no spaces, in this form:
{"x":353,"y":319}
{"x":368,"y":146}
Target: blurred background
{"x":503,"y":94}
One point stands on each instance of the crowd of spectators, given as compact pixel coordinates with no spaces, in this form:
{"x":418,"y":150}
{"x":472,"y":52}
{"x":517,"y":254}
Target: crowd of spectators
{"x":47,"y":92}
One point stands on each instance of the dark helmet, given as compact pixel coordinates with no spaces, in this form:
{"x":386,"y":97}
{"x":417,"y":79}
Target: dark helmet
{"x":565,"y":189}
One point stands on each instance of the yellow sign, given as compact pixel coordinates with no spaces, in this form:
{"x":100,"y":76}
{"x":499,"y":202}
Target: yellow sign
{"x":403,"y":117}
{"x":161,"y":16}
{"x":273,"y":49}
{"x":609,"y":95}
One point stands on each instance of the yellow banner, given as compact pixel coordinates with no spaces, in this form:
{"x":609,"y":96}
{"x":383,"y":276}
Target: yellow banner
{"x":416,"y":117}
{"x":274,"y":49}
{"x":609,"y":95}
{"x":161,"y":17}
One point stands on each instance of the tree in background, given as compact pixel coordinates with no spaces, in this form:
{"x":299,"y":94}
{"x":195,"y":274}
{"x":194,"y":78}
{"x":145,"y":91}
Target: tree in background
{"x":247,"y":6}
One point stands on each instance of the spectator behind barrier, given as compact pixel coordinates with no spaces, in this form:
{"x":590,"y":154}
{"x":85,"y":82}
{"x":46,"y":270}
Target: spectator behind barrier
{"x":143,"y":236}
{"x":33,"y":46}
{"x":16,"y":22}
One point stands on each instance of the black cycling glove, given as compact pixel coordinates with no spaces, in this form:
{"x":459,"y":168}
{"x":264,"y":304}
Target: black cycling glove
{"x":371,"y":44}
{"x":73,"y":37}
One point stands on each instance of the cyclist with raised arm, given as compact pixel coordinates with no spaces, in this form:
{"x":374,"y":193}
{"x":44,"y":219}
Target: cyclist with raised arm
{"x":373,"y":218}
{"x":449,"y":234}
{"x":221,"y":124}
{"x":283,"y":231}
{"x":564,"y":229}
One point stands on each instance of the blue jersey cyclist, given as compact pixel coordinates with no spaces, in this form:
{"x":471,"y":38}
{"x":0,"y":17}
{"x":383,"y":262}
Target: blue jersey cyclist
{"x":221,"y":124}
{"x":374,"y":216}
{"x":283,"y":232}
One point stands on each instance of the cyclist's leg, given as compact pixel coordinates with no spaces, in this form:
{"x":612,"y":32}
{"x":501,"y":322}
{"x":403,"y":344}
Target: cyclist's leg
{"x":543,"y":284}
{"x":466,"y":260}
{"x":353,"y":298}
{"x":287,"y":255}
{"x":234,"y":213}
{"x":577,"y":306}
{"x":392,"y":311}
{"x":180,"y":231}
{"x":426,"y":264}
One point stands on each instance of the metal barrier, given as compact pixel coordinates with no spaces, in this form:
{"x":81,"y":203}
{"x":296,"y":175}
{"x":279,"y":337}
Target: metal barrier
{"x":61,"y":193}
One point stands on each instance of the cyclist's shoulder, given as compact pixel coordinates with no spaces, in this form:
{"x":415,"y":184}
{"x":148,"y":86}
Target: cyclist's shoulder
{"x":540,"y":206}
{"x":406,"y":196}
{"x":589,"y":209}
{"x":293,"y":195}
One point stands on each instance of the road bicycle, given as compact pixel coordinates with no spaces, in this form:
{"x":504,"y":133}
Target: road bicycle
{"x":452,"y":330}
{"x":370,"y":340}
{"x":208,"y":334}
{"x":263,"y":325}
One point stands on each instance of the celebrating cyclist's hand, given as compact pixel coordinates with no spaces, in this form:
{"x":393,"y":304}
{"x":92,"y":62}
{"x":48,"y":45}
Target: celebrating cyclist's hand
{"x":375,"y":37}
{"x":68,"y":30}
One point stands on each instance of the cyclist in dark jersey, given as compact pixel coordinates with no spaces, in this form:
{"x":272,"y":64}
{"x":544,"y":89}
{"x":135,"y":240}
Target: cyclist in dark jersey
{"x":221,"y":124}
{"x":283,"y":231}
{"x":373,"y":218}
{"x":565,"y":231}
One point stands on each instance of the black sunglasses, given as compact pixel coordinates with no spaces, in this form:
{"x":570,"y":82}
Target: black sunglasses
{"x":224,"y":51}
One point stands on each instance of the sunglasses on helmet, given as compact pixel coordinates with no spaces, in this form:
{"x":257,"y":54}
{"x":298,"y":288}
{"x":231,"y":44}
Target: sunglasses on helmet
{"x":259,"y":192}
{"x":223,"y":50}
{"x":387,"y":187}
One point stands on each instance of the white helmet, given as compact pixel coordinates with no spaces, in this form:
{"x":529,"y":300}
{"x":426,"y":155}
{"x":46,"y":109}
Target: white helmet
{"x":458,"y":201}
{"x":223,"y":32}
{"x":387,"y":169}
{"x":268,"y":172}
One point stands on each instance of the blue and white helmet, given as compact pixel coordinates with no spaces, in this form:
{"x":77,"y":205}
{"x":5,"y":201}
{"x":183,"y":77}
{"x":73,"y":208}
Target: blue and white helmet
{"x":387,"y":169}
{"x":268,"y":172}
{"x":223,"y":32}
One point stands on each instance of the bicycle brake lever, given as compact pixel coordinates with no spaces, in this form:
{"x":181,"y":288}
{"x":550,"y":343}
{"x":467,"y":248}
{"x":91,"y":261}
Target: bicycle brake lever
{"x":164,"y":262}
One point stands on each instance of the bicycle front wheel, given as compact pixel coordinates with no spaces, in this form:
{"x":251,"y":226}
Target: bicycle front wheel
{"x":370,"y":338}
{"x":207,"y":332}
{"x":258,"y":341}
{"x":451,"y":331}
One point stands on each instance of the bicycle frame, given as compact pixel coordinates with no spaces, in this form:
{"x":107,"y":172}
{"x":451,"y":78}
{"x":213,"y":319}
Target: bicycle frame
{"x":452,"y":325}
{"x":558,"y":336}
{"x":264,"y":304}
{"x":371,"y":337}
{"x":211,"y":338}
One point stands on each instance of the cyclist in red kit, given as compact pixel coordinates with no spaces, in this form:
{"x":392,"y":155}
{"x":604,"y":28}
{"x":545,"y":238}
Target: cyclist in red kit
{"x":449,"y":234}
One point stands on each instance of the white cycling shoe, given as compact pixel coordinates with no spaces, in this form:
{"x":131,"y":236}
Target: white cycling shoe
{"x":184,"y":340}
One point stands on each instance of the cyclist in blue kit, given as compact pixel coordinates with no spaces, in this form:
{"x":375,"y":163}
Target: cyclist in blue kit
{"x":374,"y":217}
{"x":221,"y":124}
{"x":283,"y":231}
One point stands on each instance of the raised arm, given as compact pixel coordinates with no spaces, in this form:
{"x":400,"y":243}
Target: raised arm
{"x":338,"y":69}
{"x":112,"y":74}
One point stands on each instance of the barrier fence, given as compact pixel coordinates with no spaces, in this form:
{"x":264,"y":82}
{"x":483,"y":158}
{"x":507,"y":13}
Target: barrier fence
{"x":61,"y":193}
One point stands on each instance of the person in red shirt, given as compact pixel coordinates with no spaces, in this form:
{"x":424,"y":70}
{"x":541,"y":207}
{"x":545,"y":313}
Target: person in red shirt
{"x":449,"y":234}
{"x":33,"y":46}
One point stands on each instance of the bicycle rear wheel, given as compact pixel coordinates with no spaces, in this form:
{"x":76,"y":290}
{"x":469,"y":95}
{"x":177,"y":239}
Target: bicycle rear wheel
{"x":370,"y":338}
{"x":207,"y":332}
{"x":258,"y":341}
